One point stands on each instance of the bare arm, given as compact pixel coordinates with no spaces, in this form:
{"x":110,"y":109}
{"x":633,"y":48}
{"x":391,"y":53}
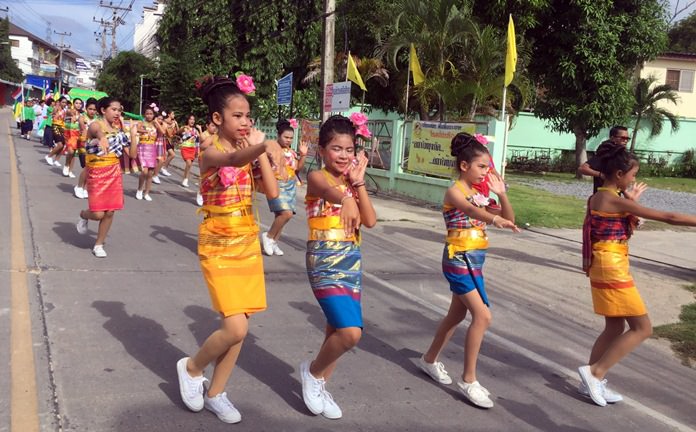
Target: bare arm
{"x":586,"y":170}
{"x":270,"y":184}
{"x":456,"y":198}
{"x":672,"y":218}
{"x":304,"y":147}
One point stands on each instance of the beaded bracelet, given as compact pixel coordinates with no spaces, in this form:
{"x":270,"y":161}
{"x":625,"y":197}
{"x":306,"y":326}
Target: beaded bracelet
{"x":345,"y":198}
{"x":358,"y":184}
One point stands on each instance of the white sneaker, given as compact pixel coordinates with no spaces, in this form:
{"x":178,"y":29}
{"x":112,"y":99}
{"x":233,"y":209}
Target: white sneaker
{"x":71,"y":175}
{"x":223,"y":408}
{"x":147,"y":197}
{"x":331,"y":409}
{"x":593,"y":385}
{"x":66,"y":171}
{"x":609,"y":395}
{"x":85,"y":195}
{"x":165,"y":173}
{"x":435,"y":370}
{"x":78,"y":192}
{"x":49,"y":160}
{"x":190,"y":388}
{"x":56,"y":163}
{"x":475,"y":393}
{"x":156,"y":180}
{"x":312,"y":390}
{"x":81,"y":226}
{"x":199,"y":199}
{"x":276,"y":249}
{"x":266,"y":244}
{"x":99,"y":251}
{"x":138,"y":194}
{"x":184,"y":183}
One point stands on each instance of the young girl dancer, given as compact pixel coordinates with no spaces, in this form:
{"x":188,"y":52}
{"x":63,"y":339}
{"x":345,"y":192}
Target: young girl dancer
{"x":337,"y":204}
{"x":104,"y":147}
{"x":72,"y":135}
{"x":58,"y":129}
{"x":160,"y":145}
{"x":466,"y":215}
{"x":85,"y":120}
{"x":146,"y":134}
{"x":190,"y":141}
{"x":206,"y":141}
{"x":286,"y":165}
{"x":609,"y":223}
{"x":172,"y":128}
{"x":228,"y":245}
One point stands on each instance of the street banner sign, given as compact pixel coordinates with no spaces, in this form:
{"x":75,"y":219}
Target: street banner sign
{"x":284,"y":92}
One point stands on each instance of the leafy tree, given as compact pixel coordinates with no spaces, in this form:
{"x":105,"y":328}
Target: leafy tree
{"x":8,"y":68}
{"x":649,"y":106}
{"x":121,"y":77}
{"x":584,"y":55}
{"x":682,"y":36}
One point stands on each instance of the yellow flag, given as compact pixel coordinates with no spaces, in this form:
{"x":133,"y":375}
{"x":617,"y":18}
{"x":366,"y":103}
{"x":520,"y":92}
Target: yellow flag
{"x":414,"y":66}
{"x":354,"y":74}
{"x":511,"y":56}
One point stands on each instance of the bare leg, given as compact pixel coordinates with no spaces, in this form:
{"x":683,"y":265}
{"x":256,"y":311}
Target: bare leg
{"x":149,"y":172}
{"x":69,"y":160}
{"x":640,"y":329}
{"x":142,"y":178}
{"x":83,"y":179}
{"x":223,"y":347}
{"x":613,"y":328}
{"x":104,"y":226}
{"x":336,"y":343}
{"x":187,"y":169}
{"x":279,"y":222}
{"x":55,"y":151}
{"x":455,"y":315}
{"x":480,"y":321}
{"x":170,"y":156}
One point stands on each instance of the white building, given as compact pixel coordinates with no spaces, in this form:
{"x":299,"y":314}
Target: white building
{"x":33,"y":55}
{"x":87,"y":72}
{"x":144,"y":40}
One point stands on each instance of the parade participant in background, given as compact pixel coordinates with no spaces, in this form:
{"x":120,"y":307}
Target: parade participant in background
{"x":59,"y":112}
{"x":190,"y":142}
{"x":104,"y":179}
{"x":612,"y":215}
{"x":47,"y":123}
{"x":72,"y":135}
{"x":38,"y":118}
{"x":618,"y":136}
{"x":286,"y":164}
{"x":146,"y":133}
{"x":337,"y":205}
{"x":160,"y":144}
{"x":85,"y":120}
{"x":466,"y":215}
{"x":28,"y":117}
{"x":228,"y":244}
{"x":206,"y":141}
{"x":172,"y":129}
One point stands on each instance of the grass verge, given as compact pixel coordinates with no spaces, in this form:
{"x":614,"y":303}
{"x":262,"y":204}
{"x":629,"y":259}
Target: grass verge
{"x":677,"y":184}
{"x":543,"y":209}
{"x":682,"y":335}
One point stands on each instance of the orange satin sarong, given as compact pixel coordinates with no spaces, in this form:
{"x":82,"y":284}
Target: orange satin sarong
{"x":613,"y":292}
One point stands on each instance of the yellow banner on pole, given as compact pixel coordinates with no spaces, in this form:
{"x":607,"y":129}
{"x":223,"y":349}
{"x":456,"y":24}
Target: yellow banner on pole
{"x":429,"y":152}
{"x":511,"y":54}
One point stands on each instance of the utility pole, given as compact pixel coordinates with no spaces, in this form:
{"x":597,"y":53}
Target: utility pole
{"x":327,"y":52}
{"x":62,"y":47}
{"x":101,"y":37}
{"x":115,"y":22}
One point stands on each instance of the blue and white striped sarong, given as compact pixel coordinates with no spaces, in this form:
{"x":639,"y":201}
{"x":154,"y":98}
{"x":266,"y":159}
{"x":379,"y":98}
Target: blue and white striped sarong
{"x":285,"y":201}
{"x":335,"y":275}
{"x":464,"y":271}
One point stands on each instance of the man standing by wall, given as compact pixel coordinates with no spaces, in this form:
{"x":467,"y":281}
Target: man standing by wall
{"x":618,"y":135}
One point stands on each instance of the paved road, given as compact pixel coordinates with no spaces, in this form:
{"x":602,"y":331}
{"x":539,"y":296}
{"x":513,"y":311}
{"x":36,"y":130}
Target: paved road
{"x":107,"y":332}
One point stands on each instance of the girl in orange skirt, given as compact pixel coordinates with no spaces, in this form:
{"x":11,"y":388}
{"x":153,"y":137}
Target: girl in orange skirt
{"x":228,"y":245}
{"x":105,"y":144}
{"x":72,"y":135}
{"x":609,"y":223}
{"x":190,"y":141}
{"x":86,"y":119}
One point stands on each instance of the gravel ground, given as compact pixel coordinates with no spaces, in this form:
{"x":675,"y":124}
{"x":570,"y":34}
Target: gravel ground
{"x":682,"y":202}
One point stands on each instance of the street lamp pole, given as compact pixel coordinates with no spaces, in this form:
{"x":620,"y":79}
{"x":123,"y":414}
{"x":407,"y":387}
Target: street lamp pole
{"x":140,"y":107}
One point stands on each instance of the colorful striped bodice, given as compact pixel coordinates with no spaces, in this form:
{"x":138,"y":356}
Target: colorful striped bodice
{"x":226,"y":189}
{"x":148,"y":133}
{"x":455,"y":219}
{"x":317,"y":207}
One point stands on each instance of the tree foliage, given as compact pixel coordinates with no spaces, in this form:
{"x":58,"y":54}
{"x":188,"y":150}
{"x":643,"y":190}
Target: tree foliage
{"x":585,"y":54}
{"x":121,"y":77}
{"x":217,"y":37}
{"x":682,"y":36}
{"x":8,"y":68}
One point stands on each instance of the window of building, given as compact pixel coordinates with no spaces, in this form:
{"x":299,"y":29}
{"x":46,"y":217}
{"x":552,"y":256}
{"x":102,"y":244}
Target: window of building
{"x":14,"y":43}
{"x":680,"y":80}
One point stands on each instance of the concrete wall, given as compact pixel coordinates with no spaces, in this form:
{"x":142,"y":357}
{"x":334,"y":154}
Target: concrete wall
{"x":23,"y":53}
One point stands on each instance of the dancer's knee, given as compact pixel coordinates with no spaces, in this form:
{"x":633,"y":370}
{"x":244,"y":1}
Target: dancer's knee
{"x":350,"y":337}
{"x":482,"y":318}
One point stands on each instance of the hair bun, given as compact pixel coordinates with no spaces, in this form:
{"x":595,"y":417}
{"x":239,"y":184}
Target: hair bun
{"x":208,"y":84}
{"x":460,"y":141}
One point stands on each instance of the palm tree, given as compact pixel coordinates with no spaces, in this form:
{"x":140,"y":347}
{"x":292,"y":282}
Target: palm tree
{"x":369,"y":68}
{"x":649,"y":106}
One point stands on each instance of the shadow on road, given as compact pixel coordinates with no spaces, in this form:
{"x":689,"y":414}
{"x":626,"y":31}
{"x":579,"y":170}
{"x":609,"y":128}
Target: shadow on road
{"x":68,"y":234}
{"x":146,"y":341}
{"x":186,"y":239}
{"x":535,"y":416}
{"x":254,"y":359}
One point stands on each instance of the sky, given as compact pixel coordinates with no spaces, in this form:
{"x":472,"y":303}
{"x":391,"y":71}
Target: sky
{"x":76,"y":17}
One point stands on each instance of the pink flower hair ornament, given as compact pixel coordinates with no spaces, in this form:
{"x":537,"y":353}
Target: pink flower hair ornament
{"x":363,"y":131}
{"x":481,"y":139}
{"x":154,"y":107}
{"x":245,"y":83}
{"x":293,"y":123}
{"x":358,"y":119}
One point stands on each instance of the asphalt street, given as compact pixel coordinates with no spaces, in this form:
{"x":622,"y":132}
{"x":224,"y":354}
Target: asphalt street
{"x":106,"y":333}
